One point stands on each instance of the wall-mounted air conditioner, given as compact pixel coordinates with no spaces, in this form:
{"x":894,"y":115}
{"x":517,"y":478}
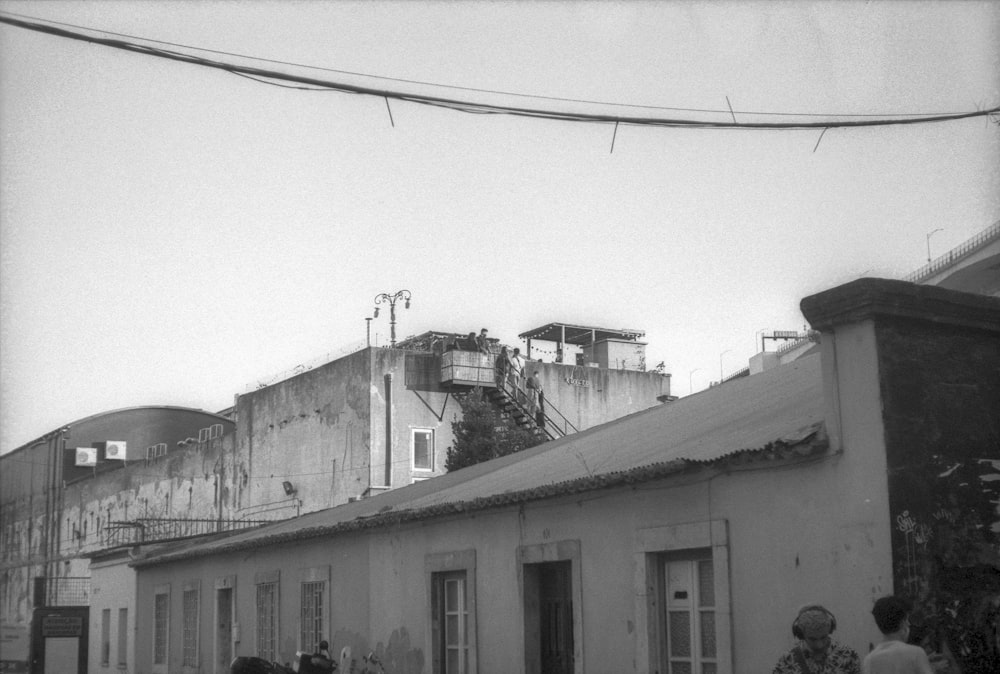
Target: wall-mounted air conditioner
{"x":86,"y":456}
{"x":115,"y":449}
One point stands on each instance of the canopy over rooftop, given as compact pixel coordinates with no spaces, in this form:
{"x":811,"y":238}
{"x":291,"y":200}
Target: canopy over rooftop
{"x":579,"y":335}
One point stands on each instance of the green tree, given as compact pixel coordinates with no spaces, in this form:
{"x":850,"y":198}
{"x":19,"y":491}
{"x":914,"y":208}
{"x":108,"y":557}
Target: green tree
{"x":483,"y":433}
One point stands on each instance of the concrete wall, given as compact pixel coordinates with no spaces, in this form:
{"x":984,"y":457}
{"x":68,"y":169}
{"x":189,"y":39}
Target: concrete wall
{"x":590,"y":396}
{"x":327,"y":431}
{"x":112,"y":587}
{"x":52,"y":512}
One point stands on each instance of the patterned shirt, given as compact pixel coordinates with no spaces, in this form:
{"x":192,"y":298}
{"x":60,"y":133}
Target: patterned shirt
{"x":838,"y":659}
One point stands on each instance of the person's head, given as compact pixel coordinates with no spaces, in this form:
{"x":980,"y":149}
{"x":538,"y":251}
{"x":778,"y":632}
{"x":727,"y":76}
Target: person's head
{"x":472,"y":335}
{"x":483,"y":332}
{"x":813,"y":626}
{"x":892,"y":614}
{"x":517,"y":351}
{"x":323,"y":645}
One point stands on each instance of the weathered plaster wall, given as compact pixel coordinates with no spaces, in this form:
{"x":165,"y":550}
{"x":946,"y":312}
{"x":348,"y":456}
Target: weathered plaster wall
{"x":51,"y":511}
{"x":942,"y":397}
{"x":589,"y":396}
{"x":184,"y":484}
{"x":418,"y":402}
{"x":311,"y":430}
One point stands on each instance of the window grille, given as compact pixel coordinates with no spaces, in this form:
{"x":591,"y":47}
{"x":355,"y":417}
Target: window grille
{"x":190,"y":633}
{"x":267,"y":620}
{"x":312,"y":615}
{"x":122,"y":638}
{"x":160,"y":623}
{"x":106,"y":637}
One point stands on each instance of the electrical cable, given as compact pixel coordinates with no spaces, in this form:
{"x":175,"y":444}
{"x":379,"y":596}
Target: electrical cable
{"x":484,"y":108}
{"x":477,"y":89}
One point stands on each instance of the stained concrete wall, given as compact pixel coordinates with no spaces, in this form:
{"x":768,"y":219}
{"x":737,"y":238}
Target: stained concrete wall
{"x":331,"y":431}
{"x":588,"y":396}
{"x":52,"y":512}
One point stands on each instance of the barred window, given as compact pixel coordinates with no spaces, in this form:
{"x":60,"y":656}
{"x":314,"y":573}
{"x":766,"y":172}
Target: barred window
{"x":190,"y":634}
{"x":106,"y":637}
{"x":267,"y":620}
{"x":312,"y":615}
{"x":122,"y":638}
{"x":161,"y":616}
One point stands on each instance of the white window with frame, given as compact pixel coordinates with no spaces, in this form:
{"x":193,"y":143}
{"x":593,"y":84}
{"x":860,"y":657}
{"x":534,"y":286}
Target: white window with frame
{"x":422,"y":444}
{"x":191,"y":609}
{"x":686,"y":608}
{"x":452,"y":592}
{"x":161,"y":627}
{"x":451,"y":619}
{"x":690,"y":620}
{"x":267,"y":615}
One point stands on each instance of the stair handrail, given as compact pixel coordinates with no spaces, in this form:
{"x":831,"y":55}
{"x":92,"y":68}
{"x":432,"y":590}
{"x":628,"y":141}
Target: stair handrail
{"x":515,"y":393}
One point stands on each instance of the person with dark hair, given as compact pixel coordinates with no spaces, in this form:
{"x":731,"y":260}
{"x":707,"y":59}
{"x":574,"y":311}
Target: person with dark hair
{"x":816,"y":652}
{"x":893,"y":655}
{"x":321,"y":661}
{"x":483,"y":342}
{"x":500,"y":367}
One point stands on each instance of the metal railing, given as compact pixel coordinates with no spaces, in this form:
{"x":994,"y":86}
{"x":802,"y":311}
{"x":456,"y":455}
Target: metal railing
{"x":151,"y":529}
{"x":69,"y":591}
{"x":305,"y":366}
{"x":555,"y":426}
{"x":954,"y":255}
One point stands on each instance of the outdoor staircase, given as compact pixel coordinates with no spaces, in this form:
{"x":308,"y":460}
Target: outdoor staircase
{"x":513,"y":402}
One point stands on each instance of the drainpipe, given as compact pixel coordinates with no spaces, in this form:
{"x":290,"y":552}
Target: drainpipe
{"x":388,"y":429}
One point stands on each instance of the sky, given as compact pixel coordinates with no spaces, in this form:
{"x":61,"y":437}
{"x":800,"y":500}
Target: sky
{"x":172,"y":234}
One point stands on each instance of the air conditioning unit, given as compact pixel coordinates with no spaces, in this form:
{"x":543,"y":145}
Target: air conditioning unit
{"x":86,"y":456}
{"x":115,"y":449}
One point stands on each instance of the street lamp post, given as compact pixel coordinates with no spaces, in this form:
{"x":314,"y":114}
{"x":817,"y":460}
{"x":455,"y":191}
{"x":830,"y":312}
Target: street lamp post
{"x":392,"y":299}
{"x":690,"y":381}
{"x":929,"y":235}
{"x":368,"y":331}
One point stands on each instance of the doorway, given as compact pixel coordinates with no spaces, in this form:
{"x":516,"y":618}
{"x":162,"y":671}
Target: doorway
{"x":224,"y":629}
{"x":548,"y":618}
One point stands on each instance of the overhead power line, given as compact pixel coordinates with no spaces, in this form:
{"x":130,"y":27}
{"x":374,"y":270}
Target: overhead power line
{"x":318,"y":84}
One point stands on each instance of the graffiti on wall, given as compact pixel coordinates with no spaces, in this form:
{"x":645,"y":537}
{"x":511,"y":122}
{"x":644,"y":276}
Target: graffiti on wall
{"x":943,"y":451}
